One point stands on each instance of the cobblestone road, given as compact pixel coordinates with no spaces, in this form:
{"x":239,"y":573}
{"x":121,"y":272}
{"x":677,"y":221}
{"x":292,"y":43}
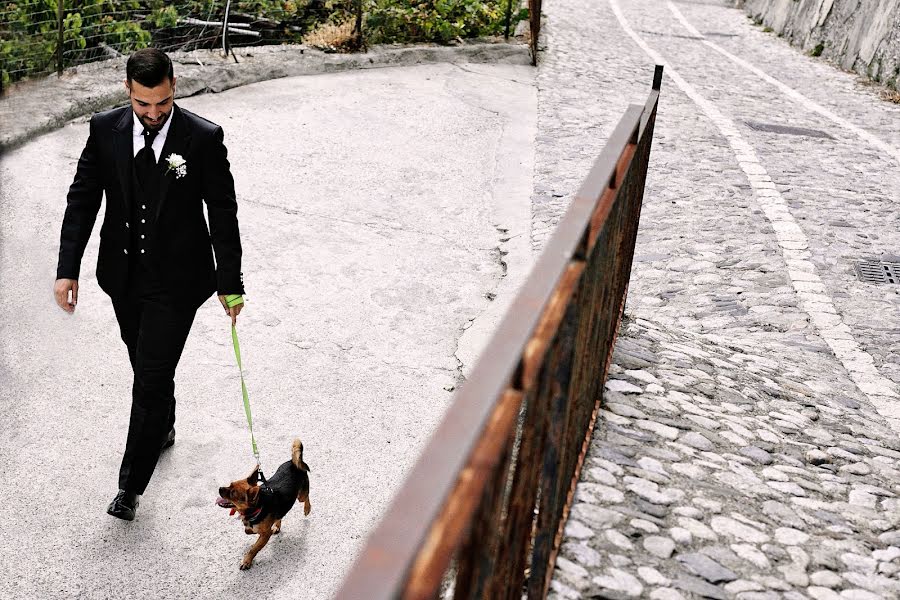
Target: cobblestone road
{"x":746,"y":448}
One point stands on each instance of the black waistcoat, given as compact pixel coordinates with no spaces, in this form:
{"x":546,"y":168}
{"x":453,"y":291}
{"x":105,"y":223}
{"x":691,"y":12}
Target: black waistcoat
{"x":145,"y":181}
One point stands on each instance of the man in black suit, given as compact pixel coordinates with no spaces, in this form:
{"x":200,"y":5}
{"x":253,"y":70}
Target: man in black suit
{"x":157,"y":165}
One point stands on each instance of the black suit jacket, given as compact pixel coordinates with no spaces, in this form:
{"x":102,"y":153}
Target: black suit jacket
{"x":183,"y":248}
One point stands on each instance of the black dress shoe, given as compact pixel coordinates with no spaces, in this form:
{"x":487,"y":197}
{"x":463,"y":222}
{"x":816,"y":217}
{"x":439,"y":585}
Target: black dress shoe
{"x":124,"y":505}
{"x":170,"y":440}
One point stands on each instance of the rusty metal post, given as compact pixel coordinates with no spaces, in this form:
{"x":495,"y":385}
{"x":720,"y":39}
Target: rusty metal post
{"x":534,"y":16}
{"x":359,"y":24}
{"x":508,"y":18}
{"x":61,"y":37}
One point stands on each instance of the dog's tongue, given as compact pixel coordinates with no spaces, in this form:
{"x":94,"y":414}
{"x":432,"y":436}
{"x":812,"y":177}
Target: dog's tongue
{"x":220,"y":501}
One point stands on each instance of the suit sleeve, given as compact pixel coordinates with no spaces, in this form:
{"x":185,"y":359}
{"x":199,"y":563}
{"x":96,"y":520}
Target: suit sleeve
{"x":221,"y":206}
{"x":82,"y":205}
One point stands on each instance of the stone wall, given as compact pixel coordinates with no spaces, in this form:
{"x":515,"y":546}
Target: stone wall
{"x":858,"y":35}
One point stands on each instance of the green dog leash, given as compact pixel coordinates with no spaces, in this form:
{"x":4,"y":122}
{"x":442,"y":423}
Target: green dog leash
{"x":232,"y":301}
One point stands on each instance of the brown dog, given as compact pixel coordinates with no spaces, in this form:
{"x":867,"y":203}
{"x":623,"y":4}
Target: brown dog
{"x":263,"y":506}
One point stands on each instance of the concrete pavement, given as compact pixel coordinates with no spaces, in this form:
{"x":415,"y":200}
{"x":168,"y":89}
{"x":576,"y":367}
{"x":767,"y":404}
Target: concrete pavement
{"x":380,"y":211}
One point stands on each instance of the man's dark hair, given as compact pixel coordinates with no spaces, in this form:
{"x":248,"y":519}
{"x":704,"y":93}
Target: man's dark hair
{"x":149,"y":67}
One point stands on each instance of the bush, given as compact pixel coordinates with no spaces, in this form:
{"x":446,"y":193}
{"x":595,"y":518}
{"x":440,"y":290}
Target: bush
{"x":28,"y":37}
{"x":110,"y":23}
{"x":331,"y":37}
{"x":433,"y":20}
{"x":29,"y":33}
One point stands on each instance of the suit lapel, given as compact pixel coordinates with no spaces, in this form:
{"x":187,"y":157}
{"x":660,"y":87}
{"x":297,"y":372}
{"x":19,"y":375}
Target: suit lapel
{"x":124,"y":148}
{"x":177,"y":142}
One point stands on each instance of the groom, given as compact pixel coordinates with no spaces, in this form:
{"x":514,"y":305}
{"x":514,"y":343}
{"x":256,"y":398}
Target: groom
{"x":157,"y":165}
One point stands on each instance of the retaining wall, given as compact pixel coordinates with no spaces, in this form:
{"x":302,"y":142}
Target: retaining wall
{"x":859,"y":35}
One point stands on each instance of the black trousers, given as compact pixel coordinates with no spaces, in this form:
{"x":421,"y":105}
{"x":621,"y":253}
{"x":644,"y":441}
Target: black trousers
{"x":155,"y":329}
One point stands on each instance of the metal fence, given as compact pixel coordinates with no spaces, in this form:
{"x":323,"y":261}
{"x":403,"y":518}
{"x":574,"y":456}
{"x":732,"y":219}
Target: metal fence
{"x":38,"y":37}
{"x":43,"y":36}
{"x":482,"y":512}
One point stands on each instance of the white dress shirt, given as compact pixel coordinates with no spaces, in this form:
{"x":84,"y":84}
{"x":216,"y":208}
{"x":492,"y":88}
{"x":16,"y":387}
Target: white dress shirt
{"x":137,"y":136}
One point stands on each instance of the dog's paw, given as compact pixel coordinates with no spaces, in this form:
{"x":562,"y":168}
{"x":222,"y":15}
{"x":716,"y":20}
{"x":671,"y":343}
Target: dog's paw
{"x":276,"y":527}
{"x":246,"y":563}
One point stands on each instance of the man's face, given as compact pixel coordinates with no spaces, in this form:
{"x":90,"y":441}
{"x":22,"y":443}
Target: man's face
{"x":152,"y":105}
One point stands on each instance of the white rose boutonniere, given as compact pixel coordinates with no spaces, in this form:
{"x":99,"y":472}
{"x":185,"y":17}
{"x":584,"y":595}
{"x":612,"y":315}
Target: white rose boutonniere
{"x":177,"y":164}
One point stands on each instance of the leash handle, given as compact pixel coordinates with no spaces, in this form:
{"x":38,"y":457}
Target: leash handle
{"x":237,"y":355}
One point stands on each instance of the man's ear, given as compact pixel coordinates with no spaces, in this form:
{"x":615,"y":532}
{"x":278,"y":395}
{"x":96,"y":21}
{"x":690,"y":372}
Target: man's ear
{"x":253,"y":496}
{"x":127,"y":88}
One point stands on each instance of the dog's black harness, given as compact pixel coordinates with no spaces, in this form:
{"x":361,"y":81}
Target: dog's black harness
{"x":265,"y":482}
{"x":260,"y":513}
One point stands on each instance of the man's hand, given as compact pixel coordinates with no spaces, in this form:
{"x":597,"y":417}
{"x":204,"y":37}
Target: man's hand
{"x":233,"y":312}
{"x":61,"y":290}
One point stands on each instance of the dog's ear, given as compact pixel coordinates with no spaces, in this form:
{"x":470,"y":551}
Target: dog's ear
{"x":254,"y":477}
{"x":253,"y":496}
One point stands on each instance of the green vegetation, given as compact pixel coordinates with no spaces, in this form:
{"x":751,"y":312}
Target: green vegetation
{"x":817,"y":51}
{"x":96,"y":29}
{"x":435,"y":20}
{"x":29,"y":33}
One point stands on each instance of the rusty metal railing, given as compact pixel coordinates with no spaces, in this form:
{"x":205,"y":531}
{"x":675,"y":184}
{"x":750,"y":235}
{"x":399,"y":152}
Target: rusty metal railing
{"x":482,"y":512}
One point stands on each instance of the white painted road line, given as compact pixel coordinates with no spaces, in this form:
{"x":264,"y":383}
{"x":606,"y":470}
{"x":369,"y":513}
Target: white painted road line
{"x":789,"y":91}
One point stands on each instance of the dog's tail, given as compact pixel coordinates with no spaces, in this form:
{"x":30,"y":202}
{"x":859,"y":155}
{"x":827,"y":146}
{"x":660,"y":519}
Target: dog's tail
{"x":297,"y":455}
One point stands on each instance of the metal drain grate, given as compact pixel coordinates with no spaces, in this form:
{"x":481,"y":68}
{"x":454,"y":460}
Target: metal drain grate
{"x":671,"y":35}
{"x":689,"y":37}
{"x":787,"y":130}
{"x":878,"y":271}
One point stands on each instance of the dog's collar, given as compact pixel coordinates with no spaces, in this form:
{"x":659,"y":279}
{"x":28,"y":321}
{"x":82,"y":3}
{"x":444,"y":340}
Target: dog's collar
{"x":255,"y":517}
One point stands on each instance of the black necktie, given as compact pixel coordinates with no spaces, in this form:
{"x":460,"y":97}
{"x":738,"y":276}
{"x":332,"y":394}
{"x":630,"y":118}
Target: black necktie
{"x":149,"y":136}
{"x":145,"y":159}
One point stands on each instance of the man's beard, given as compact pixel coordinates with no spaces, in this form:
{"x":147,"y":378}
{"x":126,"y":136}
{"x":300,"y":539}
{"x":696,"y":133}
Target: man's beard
{"x":155,"y":127}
